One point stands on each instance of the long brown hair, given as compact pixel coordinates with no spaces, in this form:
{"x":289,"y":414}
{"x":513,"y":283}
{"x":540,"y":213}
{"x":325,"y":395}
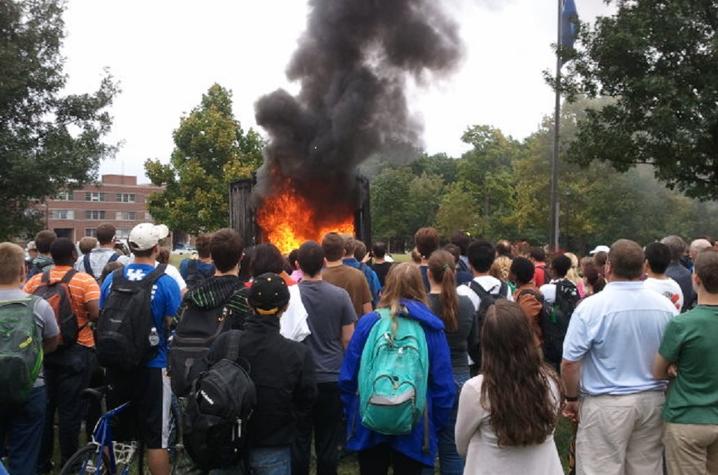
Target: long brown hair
{"x":516,"y":385}
{"x":441,"y":269}
{"x":403,"y":282}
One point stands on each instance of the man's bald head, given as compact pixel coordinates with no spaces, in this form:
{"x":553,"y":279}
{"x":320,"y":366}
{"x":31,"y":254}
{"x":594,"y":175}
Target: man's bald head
{"x":626,"y":260}
{"x":697,"y":246}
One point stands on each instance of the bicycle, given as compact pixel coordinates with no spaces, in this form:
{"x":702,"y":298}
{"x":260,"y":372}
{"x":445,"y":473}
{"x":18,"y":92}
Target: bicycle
{"x":103,"y":455}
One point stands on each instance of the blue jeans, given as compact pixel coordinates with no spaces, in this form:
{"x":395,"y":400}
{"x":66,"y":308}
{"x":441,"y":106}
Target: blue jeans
{"x":450,"y":462}
{"x":270,"y":461}
{"x":20,"y":427}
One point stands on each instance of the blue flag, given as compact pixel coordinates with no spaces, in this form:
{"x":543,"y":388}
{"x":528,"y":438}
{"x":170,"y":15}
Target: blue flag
{"x":569,"y":24}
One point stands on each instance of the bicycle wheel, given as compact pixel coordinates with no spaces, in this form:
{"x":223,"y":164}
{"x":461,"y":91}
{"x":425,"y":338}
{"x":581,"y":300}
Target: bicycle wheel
{"x":84,"y":462}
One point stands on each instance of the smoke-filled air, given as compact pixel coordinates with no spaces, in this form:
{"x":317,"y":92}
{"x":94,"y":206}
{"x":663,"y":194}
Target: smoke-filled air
{"x":353,"y":63}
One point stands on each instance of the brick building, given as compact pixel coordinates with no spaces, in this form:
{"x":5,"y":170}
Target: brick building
{"x":117,"y":199}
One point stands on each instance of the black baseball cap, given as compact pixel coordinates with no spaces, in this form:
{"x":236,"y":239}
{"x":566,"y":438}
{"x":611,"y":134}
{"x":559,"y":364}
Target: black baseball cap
{"x":269,"y":294}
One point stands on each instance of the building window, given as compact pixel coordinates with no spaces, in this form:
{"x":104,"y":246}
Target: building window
{"x":64,"y":196}
{"x":94,"y":214}
{"x":90,"y":232}
{"x":94,"y":196}
{"x":126,"y":197}
{"x":126,"y":216}
{"x":122,"y":233}
{"x":62,"y":214}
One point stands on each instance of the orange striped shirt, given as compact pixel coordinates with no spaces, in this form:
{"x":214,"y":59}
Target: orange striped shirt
{"x":83,"y":289}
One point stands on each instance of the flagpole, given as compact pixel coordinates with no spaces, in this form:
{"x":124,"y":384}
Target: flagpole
{"x":554,"y":211}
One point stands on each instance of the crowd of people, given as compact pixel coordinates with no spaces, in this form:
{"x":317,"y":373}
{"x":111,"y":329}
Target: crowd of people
{"x":463,"y":358}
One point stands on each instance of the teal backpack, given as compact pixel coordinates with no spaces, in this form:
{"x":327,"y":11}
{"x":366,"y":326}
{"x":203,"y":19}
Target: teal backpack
{"x":393,"y":376}
{"x":20,"y":350}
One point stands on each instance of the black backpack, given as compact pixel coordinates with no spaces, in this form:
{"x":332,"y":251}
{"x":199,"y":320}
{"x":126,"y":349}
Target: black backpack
{"x":487,"y":300}
{"x":197,"y":329}
{"x":195,"y":277}
{"x":218,"y":409}
{"x":554,"y":323}
{"x":126,"y":333}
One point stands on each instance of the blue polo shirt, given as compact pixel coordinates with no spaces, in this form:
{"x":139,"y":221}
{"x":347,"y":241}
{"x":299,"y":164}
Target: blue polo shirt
{"x":166,"y":299}
{"x":615,"y":334}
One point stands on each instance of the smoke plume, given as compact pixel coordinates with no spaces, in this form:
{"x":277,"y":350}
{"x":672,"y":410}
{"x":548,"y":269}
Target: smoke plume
{"x":352,"y":63}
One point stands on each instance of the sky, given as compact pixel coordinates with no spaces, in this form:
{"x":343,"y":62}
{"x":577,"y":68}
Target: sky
{"x":167,"y":53}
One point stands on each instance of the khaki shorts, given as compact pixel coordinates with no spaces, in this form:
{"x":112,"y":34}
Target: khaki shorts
{"x":620,"y":435}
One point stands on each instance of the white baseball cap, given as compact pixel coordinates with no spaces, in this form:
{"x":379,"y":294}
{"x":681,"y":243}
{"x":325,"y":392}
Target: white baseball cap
{"x":598,"y":249}
{"x":146,"y":236}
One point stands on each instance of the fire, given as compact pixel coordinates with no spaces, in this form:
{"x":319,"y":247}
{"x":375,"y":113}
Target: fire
{"x":287,"y":221}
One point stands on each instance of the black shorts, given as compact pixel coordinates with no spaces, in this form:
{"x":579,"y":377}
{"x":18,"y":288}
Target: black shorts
{"x":147,"y":418}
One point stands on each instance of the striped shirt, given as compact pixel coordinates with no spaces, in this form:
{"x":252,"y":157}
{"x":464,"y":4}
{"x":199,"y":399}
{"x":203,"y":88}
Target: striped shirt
{"x":83,"y":289}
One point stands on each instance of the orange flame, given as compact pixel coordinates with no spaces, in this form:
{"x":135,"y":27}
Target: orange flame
{"x":287,"y":221}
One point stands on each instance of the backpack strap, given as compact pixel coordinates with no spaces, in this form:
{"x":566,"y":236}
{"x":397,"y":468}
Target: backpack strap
{"x":45,"y":279}
{"x":68,"y":276}
{"x":113,"y":257}
{"x":86,"y":263}
{"x":233,"y":346}
{"x":479,"y":289}
{"x":153,"y":276}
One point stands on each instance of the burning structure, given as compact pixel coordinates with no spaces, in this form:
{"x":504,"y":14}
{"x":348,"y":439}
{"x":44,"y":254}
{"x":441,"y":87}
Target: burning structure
{"x":353,"y":64}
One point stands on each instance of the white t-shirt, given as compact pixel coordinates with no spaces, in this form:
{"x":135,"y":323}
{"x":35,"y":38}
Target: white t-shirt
{"x":490,"y":284}
{"x":668,"y":287}
{"x":293,"y":324}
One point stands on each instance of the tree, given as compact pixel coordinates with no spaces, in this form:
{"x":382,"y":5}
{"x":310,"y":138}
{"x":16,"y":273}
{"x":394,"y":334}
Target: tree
{"x":458,"y":211}
{"x":211,"y":151}
{"x":659,"y":60}
{"x":391,"y":204}
{"x":49,"y":141}
{"x":487,"y":173}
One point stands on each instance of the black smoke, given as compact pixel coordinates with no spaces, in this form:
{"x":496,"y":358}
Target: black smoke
{"x":353,"y":63}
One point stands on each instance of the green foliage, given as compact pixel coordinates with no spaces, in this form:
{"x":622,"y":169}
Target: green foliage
{"x":211,"y":151}
{"x":49,"y":142}
{"x":659,"y":60}
{"x":501,"y":190}
{"x":458,"y":211}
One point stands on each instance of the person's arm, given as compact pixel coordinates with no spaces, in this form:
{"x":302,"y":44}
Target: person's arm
{"x":347,"y":333}
{"x":91,"y":297}
{"x":664,"y":369}
{"x":570,"y":376}
{"x":45,"y":319}
{"x":366,"y":297}
{"x":93,"y":309}
{"x":442,"y":387}
{"x":664,"y":365}
{"x":468,"y":418}
{"x":576,"y":344}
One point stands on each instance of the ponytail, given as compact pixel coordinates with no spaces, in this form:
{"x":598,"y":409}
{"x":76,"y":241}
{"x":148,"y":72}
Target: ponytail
{"x":441,"y":266}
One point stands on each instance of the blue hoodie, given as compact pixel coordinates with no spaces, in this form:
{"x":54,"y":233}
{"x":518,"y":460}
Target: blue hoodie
{"x":440,"y":400}
{"x":371,"y":277}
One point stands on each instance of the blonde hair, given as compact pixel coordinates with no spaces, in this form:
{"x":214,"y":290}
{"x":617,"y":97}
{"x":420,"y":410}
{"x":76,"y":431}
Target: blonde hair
{"x":501,"y":268}
{"x":403,"y":282}
{"x":572,"y":274}
{"x":12,"y":263}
